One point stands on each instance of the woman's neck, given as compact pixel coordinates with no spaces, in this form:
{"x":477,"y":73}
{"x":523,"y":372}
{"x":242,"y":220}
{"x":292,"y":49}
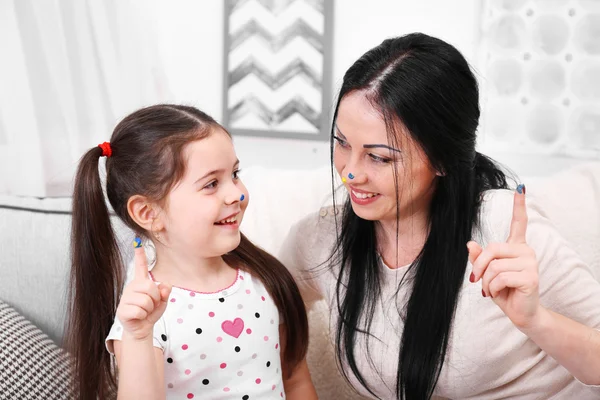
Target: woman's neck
{"x":400,"y":242}
{"x":196,"y":273}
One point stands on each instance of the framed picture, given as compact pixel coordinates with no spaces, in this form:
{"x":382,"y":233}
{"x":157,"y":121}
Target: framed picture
{"x":277,"y":61}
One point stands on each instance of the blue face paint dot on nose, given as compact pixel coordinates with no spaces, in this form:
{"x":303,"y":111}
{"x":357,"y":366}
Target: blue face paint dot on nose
{"x":242,"y":197}
{"x":350,"y":175}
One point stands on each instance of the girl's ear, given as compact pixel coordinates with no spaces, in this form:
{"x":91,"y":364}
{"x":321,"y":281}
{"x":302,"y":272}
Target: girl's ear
{"x":144,"y":213}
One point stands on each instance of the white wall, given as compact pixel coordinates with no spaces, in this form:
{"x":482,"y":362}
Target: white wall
{"x":191,"y":33}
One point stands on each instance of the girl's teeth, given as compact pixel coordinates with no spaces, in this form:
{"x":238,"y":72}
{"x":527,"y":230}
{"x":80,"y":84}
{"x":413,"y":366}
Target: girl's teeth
{"x":364,"y":195}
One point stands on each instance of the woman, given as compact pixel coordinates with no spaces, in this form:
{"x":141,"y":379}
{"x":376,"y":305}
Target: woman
{"x":440,"y":280}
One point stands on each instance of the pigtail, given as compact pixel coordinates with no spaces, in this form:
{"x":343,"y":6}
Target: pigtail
{"x":285,"y":293}
{"x":95,"y":283}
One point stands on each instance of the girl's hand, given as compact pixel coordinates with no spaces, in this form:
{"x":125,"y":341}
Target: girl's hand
{"x":143,"y":302}
{"x":509,"y":271}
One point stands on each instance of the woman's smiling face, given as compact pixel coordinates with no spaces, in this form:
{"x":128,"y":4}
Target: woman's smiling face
{"x":374,"y":168}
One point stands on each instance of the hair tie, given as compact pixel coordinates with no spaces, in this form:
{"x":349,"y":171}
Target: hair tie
{"x":106,"y":150}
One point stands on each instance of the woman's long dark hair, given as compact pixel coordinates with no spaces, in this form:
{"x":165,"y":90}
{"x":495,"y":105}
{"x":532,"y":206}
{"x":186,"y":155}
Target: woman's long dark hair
{"x":426,"y":85}
{"x":147,"y":159}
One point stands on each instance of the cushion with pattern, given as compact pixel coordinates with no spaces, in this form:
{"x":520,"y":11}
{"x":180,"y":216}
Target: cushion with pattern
{"x":32,"y":366}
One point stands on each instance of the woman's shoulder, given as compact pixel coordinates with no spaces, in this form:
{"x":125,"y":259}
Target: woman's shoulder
{"x":318,"y":228}
{"x":321,"y":222}
{"x":313,"y":236}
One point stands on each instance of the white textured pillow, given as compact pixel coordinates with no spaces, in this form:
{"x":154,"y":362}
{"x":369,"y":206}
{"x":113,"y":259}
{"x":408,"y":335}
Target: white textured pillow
{"x":571,"y":199}
{"x":279,"y":198}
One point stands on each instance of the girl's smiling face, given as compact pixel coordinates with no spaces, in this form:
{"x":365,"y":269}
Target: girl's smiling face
{"x":204,"y":210}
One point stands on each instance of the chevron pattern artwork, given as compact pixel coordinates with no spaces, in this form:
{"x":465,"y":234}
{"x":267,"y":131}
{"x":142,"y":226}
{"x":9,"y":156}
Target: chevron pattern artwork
{"x":278,"y":63}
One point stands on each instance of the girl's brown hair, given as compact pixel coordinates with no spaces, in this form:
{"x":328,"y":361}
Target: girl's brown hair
{"x":147,"y":159}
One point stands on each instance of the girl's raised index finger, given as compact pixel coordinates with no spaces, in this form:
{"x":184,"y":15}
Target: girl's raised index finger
{"x":140,"y":260}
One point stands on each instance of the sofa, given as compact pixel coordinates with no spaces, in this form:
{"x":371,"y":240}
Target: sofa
{"x":34,"y":266}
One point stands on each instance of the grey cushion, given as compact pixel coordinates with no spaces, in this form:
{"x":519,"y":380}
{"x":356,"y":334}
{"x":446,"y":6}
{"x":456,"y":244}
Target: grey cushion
{"x":34,"y":258}
{"x":31,"y":365}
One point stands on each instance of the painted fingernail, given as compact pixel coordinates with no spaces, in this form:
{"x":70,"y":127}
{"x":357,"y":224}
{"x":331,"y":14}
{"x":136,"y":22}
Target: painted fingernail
{"x":137,"y":243}
{"x":483,"y":293}
{"x":242,"y":197}
{"x":472,"y":277}
{"x":521,"y":189}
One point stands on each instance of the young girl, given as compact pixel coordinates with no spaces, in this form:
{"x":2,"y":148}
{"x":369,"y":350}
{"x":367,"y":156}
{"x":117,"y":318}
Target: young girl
{"x":217,"y":317}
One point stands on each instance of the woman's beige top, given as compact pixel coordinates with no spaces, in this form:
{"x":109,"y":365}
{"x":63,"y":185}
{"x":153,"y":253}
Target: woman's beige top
{"x":487,"y":358}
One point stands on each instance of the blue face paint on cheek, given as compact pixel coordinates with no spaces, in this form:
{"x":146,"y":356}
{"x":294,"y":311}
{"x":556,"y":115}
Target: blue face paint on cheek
{"x":242,"y":197}
{"x":350,"y":175}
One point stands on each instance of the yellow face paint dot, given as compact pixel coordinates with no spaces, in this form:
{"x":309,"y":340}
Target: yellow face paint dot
{"x":344,"y":179}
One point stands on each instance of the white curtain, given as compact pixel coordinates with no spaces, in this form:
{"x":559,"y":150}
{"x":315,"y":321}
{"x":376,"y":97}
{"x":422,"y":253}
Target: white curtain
{"x":69,"y":70}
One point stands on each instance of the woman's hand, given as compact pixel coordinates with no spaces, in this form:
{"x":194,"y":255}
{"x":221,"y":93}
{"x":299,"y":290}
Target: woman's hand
{"x":509,"y":271}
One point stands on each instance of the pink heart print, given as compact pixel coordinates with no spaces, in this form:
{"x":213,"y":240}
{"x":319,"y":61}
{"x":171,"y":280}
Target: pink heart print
{"x":234,"y":328}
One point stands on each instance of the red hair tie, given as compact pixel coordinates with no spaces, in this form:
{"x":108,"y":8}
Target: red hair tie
{"x":106,"y":150}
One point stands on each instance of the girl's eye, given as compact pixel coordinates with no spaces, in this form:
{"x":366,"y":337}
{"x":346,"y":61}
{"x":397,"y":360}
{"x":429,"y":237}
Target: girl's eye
{"x":236,"y":174}
{"x":378,"y":159}
{"x":211,"y":185}
{"x":341,"y":142}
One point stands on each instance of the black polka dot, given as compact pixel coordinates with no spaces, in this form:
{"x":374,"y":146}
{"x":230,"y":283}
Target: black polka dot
{"x":237,"y":349}
{"x":205,"y":382}
{"x":268,"y":363}
{"x":257,"y":315}
{"x":170,"y":360}
{"x":163,"y":337}
{"x":198,"y":331}
{"x":221,"y":300}
{"x":246,"y":397}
